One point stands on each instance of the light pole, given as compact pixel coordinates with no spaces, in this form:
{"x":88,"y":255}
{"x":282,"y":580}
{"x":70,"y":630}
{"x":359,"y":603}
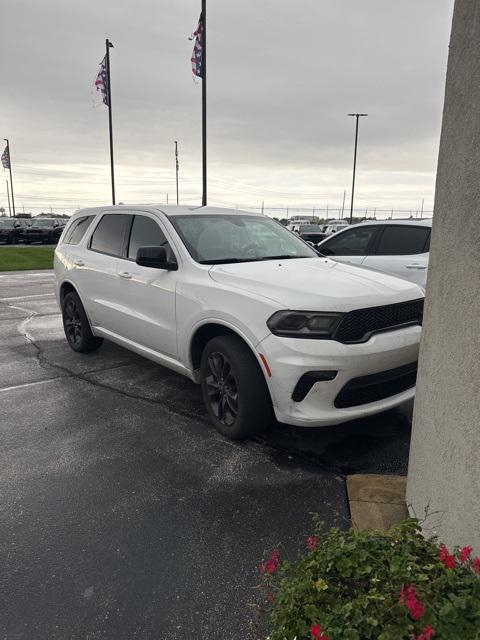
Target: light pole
{"x":356,"y":116}
{"x":177,"y":166}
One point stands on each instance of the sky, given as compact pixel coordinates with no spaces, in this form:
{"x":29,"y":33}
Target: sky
{"x":282,"y":77}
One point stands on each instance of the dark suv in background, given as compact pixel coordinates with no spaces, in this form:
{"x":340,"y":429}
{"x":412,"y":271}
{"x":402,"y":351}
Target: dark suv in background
{"x":12,"y":230}
{"x":44,"y":230}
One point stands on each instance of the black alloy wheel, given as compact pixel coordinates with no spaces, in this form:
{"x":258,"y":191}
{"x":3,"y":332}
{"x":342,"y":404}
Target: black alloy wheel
{"x":222,"y":388}
{"x":72,"y":323}
{"x":76,"y":326}
{"x":234,"y":389}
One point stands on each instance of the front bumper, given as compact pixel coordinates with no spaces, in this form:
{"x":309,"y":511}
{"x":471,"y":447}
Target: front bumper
{"x":290,"y":358}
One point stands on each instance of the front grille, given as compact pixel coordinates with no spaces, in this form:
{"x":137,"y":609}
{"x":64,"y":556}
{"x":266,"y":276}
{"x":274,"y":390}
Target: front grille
{"x":377,"y":386}
{"x":359,"y":325}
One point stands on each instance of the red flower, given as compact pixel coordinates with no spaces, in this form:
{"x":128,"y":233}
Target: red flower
{"x":427,"y":633}
{"x":312,"y":543}
{"x":317,"y":633}
{"x":408,"y":597}
{"x":446,"y":558}
{"x":271,"y":598}
{"x":465,"y":554}
{"x":476,"y":564}
{"x":271,"y":565}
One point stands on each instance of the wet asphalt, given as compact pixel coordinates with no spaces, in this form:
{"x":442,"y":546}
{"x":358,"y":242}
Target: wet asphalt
{"x":123,"y":514}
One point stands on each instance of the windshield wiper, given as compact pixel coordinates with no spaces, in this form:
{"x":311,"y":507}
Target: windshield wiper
{"x":226,"y":260}
{"x":281,"y":257}
{"x":235,"y":260}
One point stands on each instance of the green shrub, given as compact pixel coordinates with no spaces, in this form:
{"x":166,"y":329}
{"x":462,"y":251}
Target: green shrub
{"x":373,"y":585}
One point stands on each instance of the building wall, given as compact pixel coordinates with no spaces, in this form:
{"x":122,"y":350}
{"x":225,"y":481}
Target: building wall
{"x":444,"y":471}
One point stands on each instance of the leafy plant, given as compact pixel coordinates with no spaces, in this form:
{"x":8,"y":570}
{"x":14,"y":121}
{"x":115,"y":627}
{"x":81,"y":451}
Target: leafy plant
{"x":373,"y":585}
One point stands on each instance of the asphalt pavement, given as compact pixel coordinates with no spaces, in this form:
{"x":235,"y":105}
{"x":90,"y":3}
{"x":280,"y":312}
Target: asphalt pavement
{"x":123,"y":513}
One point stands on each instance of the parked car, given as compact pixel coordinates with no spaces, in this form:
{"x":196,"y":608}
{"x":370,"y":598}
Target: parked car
{"x":397,"y":247}
{"x":12,"y":230}
{"x":334,"y":227}
{"x":311,"y":233}
{"x":240,"y":305}
{"x":44,"y":230}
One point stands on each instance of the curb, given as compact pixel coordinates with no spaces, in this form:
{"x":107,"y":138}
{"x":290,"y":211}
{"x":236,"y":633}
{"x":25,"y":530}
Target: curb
{"x":376,"y":501}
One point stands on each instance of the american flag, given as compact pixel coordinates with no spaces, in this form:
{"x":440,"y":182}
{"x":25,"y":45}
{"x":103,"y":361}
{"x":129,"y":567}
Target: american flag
{"x":197,"y":55}
{"x":101,"y":82}
{"x":6,"y":158}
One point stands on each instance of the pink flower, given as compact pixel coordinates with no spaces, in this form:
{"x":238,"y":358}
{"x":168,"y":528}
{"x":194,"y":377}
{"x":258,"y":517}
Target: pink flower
{"x":447,"y":558}
{"x":312,"y":543}
{"x":427,"y":633}
{"x":317,"y":633}
{"x":476,"y":564}
{"x":271,"y":565}
{"x":465,"y":554}
{"x":408,"y":597}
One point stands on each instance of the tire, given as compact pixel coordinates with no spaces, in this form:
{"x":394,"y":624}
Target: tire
{"x":76,"y":325}
{"x":234,"y":389}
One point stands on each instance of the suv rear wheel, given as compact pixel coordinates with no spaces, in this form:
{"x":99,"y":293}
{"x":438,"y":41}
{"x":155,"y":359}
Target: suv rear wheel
{"x":76,"y":326}
{"x":234,"y":389}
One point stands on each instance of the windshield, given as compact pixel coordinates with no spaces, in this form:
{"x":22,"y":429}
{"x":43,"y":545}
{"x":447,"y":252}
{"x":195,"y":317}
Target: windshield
{"x":217,"y":239}
{"x":7,"y":223}
{"x":310,"y":228}
{"x":43,"y":223}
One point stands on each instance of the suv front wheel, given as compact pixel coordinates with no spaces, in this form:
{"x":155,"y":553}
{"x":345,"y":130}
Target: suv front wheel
{"x":234,"y":388}
{"x":76,"y":325}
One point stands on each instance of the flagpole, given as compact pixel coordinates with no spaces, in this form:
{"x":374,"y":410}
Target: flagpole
{"x":8,"y":197}
{"x":176,"y":167}
{"x":11,"y":180}
{"x":108,"y":45}
{"x":204,"y":103}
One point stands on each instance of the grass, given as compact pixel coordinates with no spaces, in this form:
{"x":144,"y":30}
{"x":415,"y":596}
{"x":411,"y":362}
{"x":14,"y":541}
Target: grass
{"x":23,"y":258}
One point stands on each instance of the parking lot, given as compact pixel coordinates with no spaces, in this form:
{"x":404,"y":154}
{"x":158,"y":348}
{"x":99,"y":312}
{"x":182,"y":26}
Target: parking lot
{"x":123,"y":513}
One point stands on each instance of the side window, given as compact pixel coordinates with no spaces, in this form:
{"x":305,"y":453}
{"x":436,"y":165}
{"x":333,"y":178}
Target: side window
{"x":147,"y":233}
{"x":354,"y":242}
{"x":109,"y":235}
{"x":78,"y":229}
{"x":403,"y":241}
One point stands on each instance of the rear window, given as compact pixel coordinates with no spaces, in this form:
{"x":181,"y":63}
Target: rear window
{"x":109,"y":236}
{"x":403,"y":241}
{"x":78,"y":229}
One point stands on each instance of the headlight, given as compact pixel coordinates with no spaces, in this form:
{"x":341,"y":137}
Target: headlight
{"x":304,"y":324}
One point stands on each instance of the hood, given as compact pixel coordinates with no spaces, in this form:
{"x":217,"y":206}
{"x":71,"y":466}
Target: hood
{"x":316,"y":284}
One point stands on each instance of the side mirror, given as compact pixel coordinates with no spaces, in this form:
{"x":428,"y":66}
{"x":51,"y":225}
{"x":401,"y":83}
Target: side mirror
{"x":155,"y":258}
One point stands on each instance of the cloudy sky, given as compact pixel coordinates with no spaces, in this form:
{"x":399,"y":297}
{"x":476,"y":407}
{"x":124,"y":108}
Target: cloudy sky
{"x":282,"y":77}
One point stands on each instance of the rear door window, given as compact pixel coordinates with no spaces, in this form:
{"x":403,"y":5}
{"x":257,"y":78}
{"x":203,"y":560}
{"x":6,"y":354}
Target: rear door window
{"x":110,"y":233}
{"x":403,"y":240}
{"x":78,"y":229}
{"x":354,"y":242}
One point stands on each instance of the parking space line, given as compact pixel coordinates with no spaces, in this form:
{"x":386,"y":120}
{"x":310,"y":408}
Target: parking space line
{"x":25,"y":385}
{"x":36,"y":295}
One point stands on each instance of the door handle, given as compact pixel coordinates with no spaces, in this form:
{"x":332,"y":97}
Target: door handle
{"x":416,"y":266}
{"x":125,"y":274}
{"x":79,"y":263}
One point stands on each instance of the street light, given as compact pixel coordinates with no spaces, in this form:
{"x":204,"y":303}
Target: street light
{"x":356,"y":116}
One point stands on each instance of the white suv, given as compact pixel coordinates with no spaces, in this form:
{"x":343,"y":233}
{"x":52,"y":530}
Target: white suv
{"x":239,"y":304}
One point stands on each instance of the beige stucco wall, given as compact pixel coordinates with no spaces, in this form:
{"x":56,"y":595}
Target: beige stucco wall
{"x":444,"y":472}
